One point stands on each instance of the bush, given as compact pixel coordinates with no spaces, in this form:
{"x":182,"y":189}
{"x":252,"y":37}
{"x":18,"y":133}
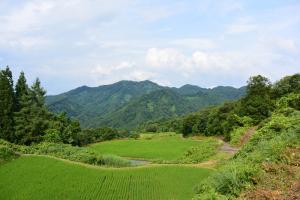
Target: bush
{"x":267,"y":145}
{"x":6,"y":154}
{"x":200,"y":153}
{"x":114,"y":161}
{"x":78,"y":154}
{"x":65,"y":151}
{"x":229,"y":181}
{"x":52,"y":135}
{"x":134,"y":136}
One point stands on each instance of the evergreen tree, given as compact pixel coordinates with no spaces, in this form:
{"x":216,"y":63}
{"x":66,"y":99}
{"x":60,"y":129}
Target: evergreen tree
{"x":7,"y":105}
{"x":23,"y":120}
{"x":32,"y":119}
{"x":21,"y":90}
{"x":40,"y":113}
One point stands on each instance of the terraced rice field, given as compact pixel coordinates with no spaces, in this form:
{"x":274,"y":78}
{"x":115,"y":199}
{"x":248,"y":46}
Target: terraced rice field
{"x":161,"y":148}
{"x":36,"y":177}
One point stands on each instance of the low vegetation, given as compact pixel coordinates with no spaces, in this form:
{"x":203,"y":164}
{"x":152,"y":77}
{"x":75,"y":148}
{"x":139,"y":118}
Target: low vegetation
{"x":47,"y":178}
{"x":6,"y":154}
{"x":265,"y":167}
{"x":68,"y":152}
{"x":162,"y":148}
{"x":251,"y":166}
{"x":237,"y":134}
{"x":201,"y":152}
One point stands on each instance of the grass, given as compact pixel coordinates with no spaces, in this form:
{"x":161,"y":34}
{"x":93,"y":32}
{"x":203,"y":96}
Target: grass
{"x":247,"y":170}
{"x":64,"y":151}
{"x":161,"y":147}
{"x":36,"y":177}
{"x":237,"y":134}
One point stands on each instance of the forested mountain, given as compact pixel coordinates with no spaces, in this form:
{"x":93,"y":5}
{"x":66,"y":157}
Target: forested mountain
{"x":125,"y":104}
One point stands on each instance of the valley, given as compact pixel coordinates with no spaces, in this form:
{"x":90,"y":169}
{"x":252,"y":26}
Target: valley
{"x":245,"y":148}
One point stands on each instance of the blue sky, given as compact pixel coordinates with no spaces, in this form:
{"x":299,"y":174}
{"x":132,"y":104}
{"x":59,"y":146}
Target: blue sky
{"x":203,"y":42}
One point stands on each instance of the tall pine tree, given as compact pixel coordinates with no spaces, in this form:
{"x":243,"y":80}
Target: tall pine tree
{"x":21,"y":90}
{"x":40,"y":114}
{"x":7,"y":105}
{"x":32,"y":118}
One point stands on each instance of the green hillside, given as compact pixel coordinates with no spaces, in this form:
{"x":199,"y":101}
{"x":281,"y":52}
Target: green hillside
{"x":126,"y":104}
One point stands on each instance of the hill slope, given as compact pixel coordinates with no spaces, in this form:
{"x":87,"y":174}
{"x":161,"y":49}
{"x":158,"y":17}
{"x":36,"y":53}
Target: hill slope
{"x":126,"y":104}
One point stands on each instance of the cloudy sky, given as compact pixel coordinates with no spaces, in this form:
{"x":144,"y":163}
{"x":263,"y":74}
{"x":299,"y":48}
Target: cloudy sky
{"x":172,"y":42}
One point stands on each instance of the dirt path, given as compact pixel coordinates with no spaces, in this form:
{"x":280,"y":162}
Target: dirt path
{"x":247,"y":135}
{"x":228,"y":149}
{"x":232,"y":150}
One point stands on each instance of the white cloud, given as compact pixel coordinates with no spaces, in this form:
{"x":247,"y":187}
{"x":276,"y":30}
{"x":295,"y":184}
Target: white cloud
{"x":24,"y":42}
{"x":285,"y":44}
{"x":26,"y":18}
{"x":242,"y":25}
{"x":245,"y":62}
{"x":156,"y":13}
{"x":107,"y":74}
{"x":194,"y":43}
{"x":221,"y":6}
{"x":30,"y":23}
{"x":106,"y":70}
{"x":90,"y":37}
{"x":167,"y":57}
{"x":140,"y":75}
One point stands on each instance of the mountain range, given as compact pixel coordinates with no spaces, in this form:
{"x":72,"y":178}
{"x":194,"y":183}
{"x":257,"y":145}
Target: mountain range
{"x":126,"y":104}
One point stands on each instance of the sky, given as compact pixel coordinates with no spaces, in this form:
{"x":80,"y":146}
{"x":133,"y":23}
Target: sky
{"x":207,"y":43}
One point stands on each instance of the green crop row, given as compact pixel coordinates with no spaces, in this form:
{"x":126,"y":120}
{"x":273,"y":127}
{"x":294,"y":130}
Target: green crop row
{"x":37,"y":177}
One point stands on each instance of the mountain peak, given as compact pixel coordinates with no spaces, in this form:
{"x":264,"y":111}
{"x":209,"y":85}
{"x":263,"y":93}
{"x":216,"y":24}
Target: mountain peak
{"x":126,"y":104}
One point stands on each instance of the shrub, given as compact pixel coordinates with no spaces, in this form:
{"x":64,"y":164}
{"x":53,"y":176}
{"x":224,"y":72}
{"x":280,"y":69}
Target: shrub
{"x":66,"y":151}
{"x":78,"y":154}
{"x":6,"y":153}
{"x":134,"y":136}
{"x":52,"y":135}
{"x":267,"y":145}
{"x":229,"y":181}
{"x":198,"y":154}
{"x":114,"y":161}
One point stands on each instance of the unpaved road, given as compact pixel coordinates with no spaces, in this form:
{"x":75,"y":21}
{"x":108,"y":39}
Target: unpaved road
{"x":232,"y":150}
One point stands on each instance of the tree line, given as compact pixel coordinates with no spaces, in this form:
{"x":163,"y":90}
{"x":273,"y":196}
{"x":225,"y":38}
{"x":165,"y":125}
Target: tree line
{"x":25,"y":119}
{"x":256,"y":106}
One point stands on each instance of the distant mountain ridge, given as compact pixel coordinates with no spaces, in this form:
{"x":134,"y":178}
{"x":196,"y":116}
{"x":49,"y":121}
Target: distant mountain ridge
{"x":126,"y":104}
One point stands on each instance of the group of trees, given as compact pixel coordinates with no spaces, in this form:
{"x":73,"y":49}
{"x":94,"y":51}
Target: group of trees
{"x":254,"y":107}
{"x":25,"y":119}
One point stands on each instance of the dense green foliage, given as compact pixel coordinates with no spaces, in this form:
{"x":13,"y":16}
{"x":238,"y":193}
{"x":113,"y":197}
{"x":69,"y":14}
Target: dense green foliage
{"x":7,"y":105}
{"x":126,"y":104}
{"x":254,"y":107}
{"x":266,"y":146}
{"x":47,"y":178}
{"x":24,"y":118}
